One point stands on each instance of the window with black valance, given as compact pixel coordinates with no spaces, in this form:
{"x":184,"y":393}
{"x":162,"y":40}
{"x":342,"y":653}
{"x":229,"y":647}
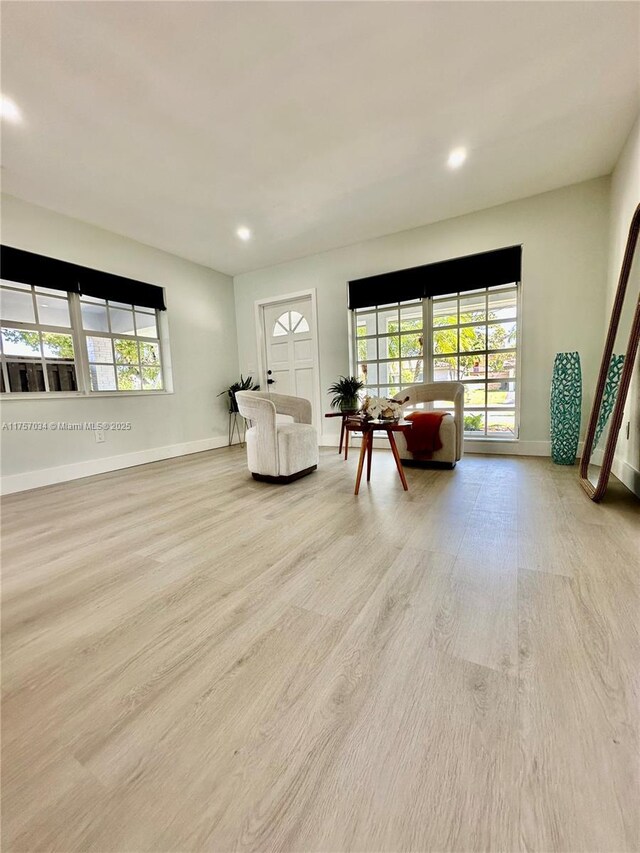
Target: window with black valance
{"x":41,"y":271}
{"x":485,"y":269}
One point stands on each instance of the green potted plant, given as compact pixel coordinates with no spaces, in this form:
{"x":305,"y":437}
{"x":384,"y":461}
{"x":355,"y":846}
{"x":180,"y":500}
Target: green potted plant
{"x":472,"y":423}
{"x":345,"y":393}
{"x":242,"y":385}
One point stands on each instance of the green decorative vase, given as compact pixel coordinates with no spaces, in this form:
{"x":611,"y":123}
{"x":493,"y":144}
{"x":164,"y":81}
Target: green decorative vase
{"x":566,"y":404}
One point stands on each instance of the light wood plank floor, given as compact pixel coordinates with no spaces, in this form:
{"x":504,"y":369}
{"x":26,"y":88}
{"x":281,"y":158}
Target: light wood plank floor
{"x":195,"y":661}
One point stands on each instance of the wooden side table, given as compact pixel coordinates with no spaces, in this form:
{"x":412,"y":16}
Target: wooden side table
{"x":350,"y":413}
{"x":368,"y":428}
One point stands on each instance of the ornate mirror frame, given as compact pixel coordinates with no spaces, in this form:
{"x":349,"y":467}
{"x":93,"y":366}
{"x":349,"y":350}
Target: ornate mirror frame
{"x":596,"y":492}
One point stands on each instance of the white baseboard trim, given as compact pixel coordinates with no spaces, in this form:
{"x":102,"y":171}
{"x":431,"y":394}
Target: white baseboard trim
{"x":498,"y":448}
{"x":13,"y":483}
{"x":74,"y":471}
{"x":508,"y":448}
{"x":627,"y":474}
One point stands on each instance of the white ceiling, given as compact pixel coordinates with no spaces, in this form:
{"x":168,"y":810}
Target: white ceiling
{"x":315,"y":124}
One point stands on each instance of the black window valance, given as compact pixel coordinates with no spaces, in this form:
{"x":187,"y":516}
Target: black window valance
{"x":29,"y":268}
{"x":104,"y":285}
{"x":486,"y":269}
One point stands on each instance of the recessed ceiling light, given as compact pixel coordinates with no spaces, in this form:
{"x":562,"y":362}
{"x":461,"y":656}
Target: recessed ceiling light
{"x":9,"y":110}
{"x":244,"y":233}
{"x":457,"y":158}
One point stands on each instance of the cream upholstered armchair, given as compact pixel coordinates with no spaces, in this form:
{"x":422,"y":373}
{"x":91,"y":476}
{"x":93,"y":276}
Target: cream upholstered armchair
{"x":452,"y":426}
{"x":278,"y":452}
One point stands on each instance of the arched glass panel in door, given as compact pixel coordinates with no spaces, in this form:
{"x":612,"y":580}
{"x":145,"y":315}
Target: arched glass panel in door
{"x":290,"y":321}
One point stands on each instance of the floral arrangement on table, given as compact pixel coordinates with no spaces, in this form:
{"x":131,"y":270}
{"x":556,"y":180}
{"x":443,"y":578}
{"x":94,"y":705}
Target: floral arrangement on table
{"x":382,"y":408}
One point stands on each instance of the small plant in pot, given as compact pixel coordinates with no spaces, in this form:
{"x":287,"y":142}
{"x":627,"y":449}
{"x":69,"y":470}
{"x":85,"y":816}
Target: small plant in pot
{"x":345,"y":393}
{"x":472,"y":423}
{"x":242,"y":385}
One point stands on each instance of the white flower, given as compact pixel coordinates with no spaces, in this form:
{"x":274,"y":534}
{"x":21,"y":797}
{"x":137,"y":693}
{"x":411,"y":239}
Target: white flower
{"x":382,"y":408}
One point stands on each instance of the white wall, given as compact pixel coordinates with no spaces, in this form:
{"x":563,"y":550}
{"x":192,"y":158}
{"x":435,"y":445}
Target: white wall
{"x":625,"y":196}
{"x":564,"y":234}
{"x":202,"y":330}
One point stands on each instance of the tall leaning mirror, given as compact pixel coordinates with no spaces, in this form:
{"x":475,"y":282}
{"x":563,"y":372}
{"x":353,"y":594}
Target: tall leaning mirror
{"x":616,"y":370}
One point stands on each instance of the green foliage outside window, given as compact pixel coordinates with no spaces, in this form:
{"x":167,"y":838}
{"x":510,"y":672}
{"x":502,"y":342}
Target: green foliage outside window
{"x":56,"y":345}
{"x":132,"y":374}
{"x":471,"y":339}
{"x":473,"y":423}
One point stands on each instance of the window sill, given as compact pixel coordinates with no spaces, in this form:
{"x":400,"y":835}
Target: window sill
{"x":492,"y":438}
{"x":78,"y":395}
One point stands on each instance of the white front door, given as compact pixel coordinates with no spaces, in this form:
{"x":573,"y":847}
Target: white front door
{"x":290,"y":349}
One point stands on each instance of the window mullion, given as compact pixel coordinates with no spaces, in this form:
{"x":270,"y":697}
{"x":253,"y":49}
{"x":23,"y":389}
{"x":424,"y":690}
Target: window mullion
{"x":163,"y":376}
{"x":427,"y":337}
{"x":35,"y":305}
{"x":140,"y":365}
{"x":43,"y":362}
{"x":113,"y":345}
{"x":486,"y":343}
{"x":5,"y":374}
{"x":79,"y":344}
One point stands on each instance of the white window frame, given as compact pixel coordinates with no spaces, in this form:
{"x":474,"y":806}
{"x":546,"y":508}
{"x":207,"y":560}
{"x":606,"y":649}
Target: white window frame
{"x":113,"y":336}
{"x":428,"y":358}
{"x":81,"y":356}
{"x":382,"y":309}
{"x":42,"y":359}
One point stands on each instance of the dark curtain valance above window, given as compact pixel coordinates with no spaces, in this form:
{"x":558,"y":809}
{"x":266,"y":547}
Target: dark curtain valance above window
{"x":29,"y":268}
{"x":103,"y":285}
{"x":486,"y":269}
